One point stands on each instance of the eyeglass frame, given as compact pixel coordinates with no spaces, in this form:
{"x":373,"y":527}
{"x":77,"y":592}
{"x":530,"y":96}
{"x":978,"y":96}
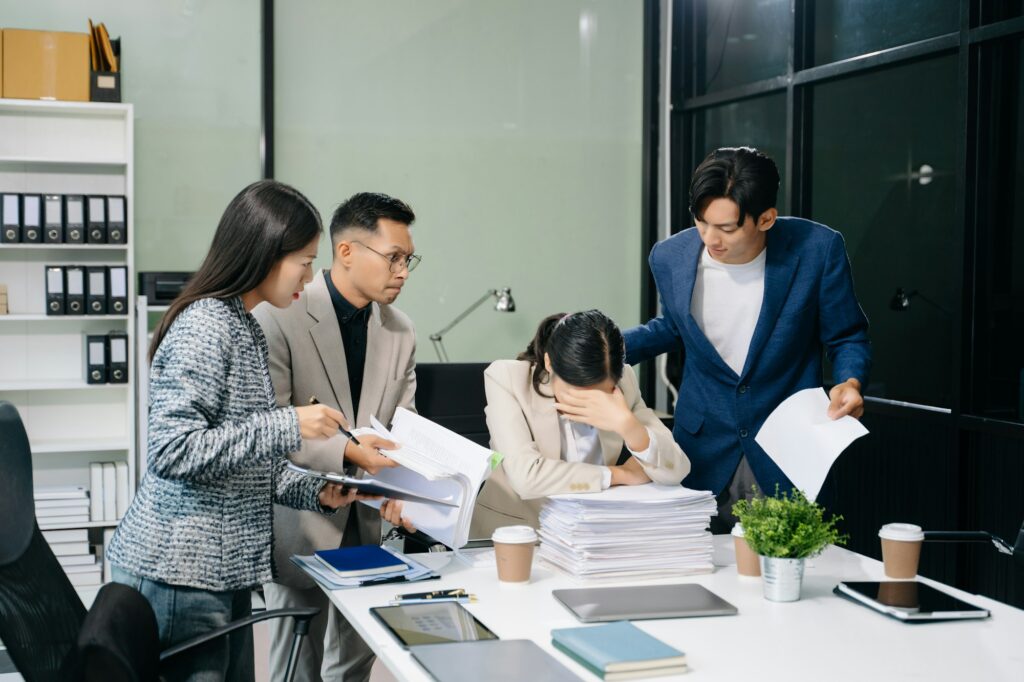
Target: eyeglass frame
{"x":410,"y":261}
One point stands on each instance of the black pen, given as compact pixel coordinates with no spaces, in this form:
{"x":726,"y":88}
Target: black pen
{"x":344,"y":431}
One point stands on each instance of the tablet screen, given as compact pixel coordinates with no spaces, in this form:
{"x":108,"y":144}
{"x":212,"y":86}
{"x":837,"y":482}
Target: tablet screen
{"x":432,"y":623}
{"x":913,"y":600}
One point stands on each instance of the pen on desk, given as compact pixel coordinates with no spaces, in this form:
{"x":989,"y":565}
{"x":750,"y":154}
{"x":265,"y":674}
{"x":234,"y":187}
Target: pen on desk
{"x":345,"y":432}
{"x":457,"y":595}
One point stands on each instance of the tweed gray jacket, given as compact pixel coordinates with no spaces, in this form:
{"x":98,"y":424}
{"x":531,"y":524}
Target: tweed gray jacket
{"x":203,"y":514}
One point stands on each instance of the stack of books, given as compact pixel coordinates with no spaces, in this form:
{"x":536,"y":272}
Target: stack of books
{"x":61,"y":505}
{"x":345,"y":567}
{"x":644,"y":531}
{"x":71,"y":547}
{"x":619,"y":651}
{"x":109,"y":493}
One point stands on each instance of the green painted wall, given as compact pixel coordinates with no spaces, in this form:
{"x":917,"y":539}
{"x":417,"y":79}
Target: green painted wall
{"x":513,"y":128}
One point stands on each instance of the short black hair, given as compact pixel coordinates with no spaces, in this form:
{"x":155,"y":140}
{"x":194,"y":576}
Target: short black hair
{"x":364,"y":209}
{"x":742,"y":174}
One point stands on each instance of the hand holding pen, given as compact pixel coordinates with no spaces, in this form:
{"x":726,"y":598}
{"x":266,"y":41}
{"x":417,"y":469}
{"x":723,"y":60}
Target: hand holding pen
{"x":365,"y":453}
{"x":319,"y":421}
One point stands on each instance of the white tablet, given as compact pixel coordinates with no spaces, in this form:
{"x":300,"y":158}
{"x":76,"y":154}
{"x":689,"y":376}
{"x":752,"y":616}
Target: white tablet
{"x":909,"y":600}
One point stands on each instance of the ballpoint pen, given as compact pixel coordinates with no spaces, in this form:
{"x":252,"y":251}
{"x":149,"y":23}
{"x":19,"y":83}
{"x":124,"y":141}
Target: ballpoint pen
{"x":345,"y":432}
{"x":457,"y":595}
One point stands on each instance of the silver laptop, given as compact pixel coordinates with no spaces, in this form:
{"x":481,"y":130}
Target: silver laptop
{"x":494,"y":660}
{"x":598,"y":604}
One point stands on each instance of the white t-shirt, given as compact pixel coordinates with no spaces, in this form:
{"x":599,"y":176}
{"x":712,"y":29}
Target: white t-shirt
{"x":726,"y":304}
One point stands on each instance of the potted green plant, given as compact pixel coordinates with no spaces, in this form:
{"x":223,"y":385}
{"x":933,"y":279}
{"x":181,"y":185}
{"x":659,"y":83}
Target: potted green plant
{"x":785,"y":530}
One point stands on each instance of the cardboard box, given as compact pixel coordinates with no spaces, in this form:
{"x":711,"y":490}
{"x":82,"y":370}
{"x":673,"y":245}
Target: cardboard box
{"x":45,"y":65}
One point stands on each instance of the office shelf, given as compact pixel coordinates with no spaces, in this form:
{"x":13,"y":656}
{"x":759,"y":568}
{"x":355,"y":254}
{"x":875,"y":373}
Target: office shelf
{"x":63,"y":247}
{"x":44,"y":447}
{"x":84,"y":524}
{"x":55,"y":385}
{"x":39,"y":317}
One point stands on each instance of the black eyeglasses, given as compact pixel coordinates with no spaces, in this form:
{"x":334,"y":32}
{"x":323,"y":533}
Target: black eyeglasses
{"x":396,"y":261}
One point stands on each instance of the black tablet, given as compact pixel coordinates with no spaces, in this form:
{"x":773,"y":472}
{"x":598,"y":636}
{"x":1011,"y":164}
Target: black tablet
{"x":909,"y":601}
{"x":431,"y":623}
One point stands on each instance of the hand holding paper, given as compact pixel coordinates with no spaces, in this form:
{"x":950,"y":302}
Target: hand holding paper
{"x":804,"y":441}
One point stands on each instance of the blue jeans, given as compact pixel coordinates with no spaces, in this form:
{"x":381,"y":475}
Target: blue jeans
{"x":186,"y":612}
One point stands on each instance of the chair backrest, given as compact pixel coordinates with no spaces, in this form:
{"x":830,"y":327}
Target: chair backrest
{"x":40,"y":612}
{"x":452,"y":394}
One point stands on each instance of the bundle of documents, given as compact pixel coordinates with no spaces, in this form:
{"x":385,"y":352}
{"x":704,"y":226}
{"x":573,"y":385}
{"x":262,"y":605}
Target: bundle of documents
{"x":61,"y":505}
{"x":411,"y":571}
{"x":436,"y":463}
{"x":645,"y":531}
{"x":75,"y":555}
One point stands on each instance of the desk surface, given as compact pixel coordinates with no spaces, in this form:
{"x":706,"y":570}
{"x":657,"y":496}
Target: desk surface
{"x":819,"y":637}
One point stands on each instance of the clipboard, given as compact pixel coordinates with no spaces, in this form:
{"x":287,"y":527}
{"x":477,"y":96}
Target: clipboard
{"x":369,"y":486}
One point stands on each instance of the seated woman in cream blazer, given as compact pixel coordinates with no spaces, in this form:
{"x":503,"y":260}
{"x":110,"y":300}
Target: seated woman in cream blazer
{"x":560,"y":415}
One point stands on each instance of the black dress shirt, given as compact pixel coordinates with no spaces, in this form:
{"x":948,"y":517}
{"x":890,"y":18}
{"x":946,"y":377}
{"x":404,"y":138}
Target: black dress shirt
{"x":352,"y":321}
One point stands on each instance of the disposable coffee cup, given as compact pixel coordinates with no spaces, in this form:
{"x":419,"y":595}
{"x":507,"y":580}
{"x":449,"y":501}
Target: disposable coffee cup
{"x":747,"y":562}
{"x":513,"y":552}
{"x":901,"y":549}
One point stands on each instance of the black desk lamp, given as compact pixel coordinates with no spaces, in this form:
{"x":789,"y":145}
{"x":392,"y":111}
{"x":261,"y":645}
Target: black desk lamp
{"x":900,"y":301}
{"x":504,"y":303}
{"x":1004,"y":547}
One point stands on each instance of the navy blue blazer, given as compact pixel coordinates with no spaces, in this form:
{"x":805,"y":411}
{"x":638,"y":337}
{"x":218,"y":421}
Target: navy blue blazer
{"x":809,"y":304}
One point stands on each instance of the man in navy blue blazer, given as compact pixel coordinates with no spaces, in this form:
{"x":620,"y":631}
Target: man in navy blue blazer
{"x":753,"y":299}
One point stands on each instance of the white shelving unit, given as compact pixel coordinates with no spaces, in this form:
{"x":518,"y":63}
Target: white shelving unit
{"x":66,"y":148}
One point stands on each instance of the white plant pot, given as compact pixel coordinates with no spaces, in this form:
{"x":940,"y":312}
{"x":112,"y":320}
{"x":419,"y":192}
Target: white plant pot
{"x":782,"y":578}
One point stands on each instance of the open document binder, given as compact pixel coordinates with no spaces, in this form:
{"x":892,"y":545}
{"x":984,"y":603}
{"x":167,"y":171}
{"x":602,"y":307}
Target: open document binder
{"x":435,"y":463}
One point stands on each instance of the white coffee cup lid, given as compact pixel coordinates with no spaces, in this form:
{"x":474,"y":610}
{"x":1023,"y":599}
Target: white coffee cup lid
{"x":907,"y":532}
{"x":514,"y":535}
{"x":737,"y":530}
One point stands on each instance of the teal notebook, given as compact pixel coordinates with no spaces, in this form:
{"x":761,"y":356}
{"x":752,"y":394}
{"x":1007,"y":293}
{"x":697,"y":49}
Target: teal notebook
{"x":616,"y":648}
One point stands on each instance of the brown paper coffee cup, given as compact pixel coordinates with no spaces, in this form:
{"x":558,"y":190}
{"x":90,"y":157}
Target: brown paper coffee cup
{"x":901,"y":549}
{"x":747,"y":562}
{"x":901,"y":557}
{"x":513,"y":553}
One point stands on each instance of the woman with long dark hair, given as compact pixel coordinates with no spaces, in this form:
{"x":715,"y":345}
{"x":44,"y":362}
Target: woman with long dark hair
{"x":560,"y":415}
{"x":198,"y":535}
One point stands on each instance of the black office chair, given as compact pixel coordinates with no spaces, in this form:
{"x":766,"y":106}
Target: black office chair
{"x":452,"y":395}
{"x":46,"y":629}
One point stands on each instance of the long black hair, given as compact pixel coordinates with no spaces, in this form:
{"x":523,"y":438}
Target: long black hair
{"x":585,"y":349}
{"x":263,"y":223}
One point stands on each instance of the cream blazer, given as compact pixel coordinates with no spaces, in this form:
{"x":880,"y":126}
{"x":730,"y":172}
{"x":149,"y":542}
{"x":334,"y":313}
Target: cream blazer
{"x":524,"y":429}
{"x":307,"y":358}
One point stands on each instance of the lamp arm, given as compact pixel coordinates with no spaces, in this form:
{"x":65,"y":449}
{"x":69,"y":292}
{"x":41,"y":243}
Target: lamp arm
{"x":968,"y":536}
{"x":436,"y":336}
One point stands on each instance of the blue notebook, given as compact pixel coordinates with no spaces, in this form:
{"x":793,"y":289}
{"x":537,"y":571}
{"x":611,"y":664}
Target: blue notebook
{"x":362,"y":560}
{"x":617,"y":648}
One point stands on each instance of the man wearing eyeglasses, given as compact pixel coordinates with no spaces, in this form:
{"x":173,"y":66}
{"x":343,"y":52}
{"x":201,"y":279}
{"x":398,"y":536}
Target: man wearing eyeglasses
{"x":344,"y":345}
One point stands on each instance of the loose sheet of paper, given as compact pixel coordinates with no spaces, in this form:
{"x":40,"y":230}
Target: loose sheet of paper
{"x":804,"y":442}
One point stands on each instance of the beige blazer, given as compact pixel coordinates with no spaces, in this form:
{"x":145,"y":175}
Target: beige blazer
{"x":524,"y":428}
{"x":307,"y":358}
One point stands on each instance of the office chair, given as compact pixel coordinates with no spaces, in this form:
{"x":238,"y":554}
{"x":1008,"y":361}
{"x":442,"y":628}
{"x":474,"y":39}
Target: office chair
{"x":43,"y":623}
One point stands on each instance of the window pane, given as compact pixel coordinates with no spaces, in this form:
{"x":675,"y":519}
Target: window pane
{"x":883,"y":174}
{"x":741,"y":41}
{"x":848,"y":28}
{"x":523,"y":163}
{"x":758,"y":122}
{"x":999,"y":10}
{"x":999,"y":316}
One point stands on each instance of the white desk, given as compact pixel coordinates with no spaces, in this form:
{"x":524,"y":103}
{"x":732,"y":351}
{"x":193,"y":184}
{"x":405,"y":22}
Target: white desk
{"x":820,"y":637}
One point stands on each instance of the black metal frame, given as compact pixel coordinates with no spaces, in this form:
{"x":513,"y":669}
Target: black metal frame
{"x":267,"y":88}
{"x":649,"y":178}
{"x":965,"y":43}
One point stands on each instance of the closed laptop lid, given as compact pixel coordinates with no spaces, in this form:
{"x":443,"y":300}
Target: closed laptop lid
{"x":598,"y":604}
{"x":494,"y":660}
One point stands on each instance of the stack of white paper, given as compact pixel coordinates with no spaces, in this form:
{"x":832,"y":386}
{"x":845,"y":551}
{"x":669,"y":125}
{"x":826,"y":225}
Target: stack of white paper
{"x":437,"y":463}
{"x":75,"y":555}
{"x":412,"y":572}
{"x":646,"y":531}
{"x":61,"y":505}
